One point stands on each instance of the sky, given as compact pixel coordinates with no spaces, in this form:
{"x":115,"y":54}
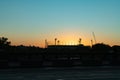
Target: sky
{"x":30,"y":22}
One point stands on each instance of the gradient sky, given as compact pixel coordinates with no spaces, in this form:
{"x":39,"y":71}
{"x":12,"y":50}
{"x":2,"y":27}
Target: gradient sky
{"x":30,"y":22}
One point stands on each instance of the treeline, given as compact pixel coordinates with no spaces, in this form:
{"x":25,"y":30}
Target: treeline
{"x":57,"y":55}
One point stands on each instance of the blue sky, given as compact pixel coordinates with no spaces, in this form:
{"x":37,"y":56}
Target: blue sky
{"x":29,"y":22}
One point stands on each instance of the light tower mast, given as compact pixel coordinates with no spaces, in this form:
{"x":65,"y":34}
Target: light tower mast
{"x":91,"y":42}
{"x":58,"y":42}
{"x":55,"y":40}
{"x":80,"y":41}
{"x":46,"y":43}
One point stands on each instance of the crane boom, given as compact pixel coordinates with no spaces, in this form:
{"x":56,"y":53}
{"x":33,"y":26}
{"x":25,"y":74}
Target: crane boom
{"x":94,"y":37}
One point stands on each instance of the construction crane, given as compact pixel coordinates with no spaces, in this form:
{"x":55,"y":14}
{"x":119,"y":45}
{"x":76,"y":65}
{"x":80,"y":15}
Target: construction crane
{"x":94,"y":37}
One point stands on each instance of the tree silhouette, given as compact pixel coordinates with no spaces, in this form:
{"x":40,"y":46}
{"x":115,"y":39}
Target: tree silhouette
{"x":4,"y":41}
{"x":101,"y":47}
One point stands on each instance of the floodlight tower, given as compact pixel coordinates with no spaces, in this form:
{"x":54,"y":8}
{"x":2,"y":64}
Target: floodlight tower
{"x":58,"y":42}
{"x":91,"y":42}
{"x":80,"y":41}
{"x":55,"y":40}
{"x":46,"y":43}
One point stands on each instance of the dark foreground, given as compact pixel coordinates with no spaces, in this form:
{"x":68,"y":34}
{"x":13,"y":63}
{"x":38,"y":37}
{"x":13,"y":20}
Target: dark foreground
{"x":67,"y":73}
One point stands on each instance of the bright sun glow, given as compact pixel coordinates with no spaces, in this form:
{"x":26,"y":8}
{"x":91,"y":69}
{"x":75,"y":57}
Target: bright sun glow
{"x":71,"y":42}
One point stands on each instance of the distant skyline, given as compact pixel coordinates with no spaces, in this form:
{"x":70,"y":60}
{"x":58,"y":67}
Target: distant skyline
{"x":30,"y":22}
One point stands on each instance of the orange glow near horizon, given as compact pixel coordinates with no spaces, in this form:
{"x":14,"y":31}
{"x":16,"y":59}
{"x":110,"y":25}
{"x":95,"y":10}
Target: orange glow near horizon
{"x":67,"y":38}
{"x":31,"y":23}
{"x":63,"y":41}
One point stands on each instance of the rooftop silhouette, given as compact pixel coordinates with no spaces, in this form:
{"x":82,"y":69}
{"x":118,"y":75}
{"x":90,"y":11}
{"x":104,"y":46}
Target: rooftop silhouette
{"x":57,"y":55}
